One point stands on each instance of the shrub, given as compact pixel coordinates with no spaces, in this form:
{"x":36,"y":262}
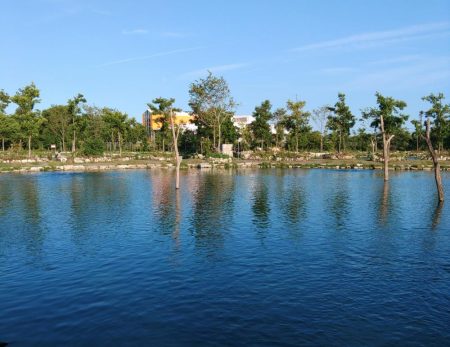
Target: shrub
{"x":93,"y":146}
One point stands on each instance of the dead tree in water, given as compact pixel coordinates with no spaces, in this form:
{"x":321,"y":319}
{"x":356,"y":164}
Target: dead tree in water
{"x":437,"y":167}
{"x":175,"y":133}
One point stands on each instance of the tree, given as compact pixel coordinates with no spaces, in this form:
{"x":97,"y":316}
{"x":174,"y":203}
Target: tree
{"x":8,"y":126}
{"x":58,"y":121}
{"x":279,"y":116}
{"x":165,"y":107}
{"x":116,"y":123}
{"x":439,"y":112}
{"x":342,"y":121}
{"x":296,"y":121}
{"x":418,"y":129}
{"x":260,"y":126}
{"x":29,"y":120}
{"x":161,"y":107}
{"x":388,"y":119}
{"x":320,"y":116}
{"x":75,"y":111}
{"x":212,"y":104}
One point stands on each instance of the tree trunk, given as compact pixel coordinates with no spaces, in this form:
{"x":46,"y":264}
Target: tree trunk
{"x":386,"y":145}
{"x":3,"y":144}
{"x":73,"y":142}
{"x":373,"y":142}
{"x":437,"y":167}
{"x":63,"y":143}
{"x":29,"y":146}
{"x":321,"y":143}
{"x":219,"y":139}
{"x":120,"y":144}
{"x":175,"y":147}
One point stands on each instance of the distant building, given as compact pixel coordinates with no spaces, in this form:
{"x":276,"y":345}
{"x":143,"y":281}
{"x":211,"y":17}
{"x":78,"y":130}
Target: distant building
{"x":241,"y":121}
{"x":152,"y":122}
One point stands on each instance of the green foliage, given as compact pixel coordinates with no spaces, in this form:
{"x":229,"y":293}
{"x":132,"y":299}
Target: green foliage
{"x":388,"y":109}
{"x":341,"y":122}
{"x":93,"y":146}
{"x":296,"y":122}
{"x":212,"y":105}
{"x":440,"y":115}
{"x":260,"y":126}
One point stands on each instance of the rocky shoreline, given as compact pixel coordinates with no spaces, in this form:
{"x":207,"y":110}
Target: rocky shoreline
{"x":92,"y":166}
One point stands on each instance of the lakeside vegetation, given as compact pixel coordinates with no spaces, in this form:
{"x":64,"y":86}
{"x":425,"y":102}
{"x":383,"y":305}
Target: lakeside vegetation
{"x":84,"y":129}
{"x":92,"y":131}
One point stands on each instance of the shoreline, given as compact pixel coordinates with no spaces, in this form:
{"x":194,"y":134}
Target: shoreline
{"x":189,"y":164}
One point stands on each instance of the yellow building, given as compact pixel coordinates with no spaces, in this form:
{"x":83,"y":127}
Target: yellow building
{"x":153,"y":122}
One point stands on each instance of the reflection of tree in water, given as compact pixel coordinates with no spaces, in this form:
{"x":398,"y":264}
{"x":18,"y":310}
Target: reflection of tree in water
{"x":384,"y":203}
{"x":437,"y":213}
{"x":290,"y":197}
{"x":97,"y":198}
{"x":339,"y":204}
{"x":213,"y":204}
{"x":33,"y":233}
{"x":6,"y":197}
{"x":260,"y":206}
{"x":163,"y":202}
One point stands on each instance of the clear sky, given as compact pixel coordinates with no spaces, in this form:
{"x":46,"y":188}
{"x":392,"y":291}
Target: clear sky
{"x":123,"y":54}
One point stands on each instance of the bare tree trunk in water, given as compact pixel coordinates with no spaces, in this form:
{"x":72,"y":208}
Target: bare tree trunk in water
{"x":175,"y":134}
{"x":437,"y":167}
{"x":386,"y":145}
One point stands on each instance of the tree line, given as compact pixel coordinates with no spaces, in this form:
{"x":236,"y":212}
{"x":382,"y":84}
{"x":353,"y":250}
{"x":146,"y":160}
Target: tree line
{"x":78,"y":127}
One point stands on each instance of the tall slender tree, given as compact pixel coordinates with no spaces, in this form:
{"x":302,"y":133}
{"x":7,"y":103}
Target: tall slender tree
{"x":296,"y":121}
{"x":212,"y":104}
{"x":28,"y":118}
{"x":342,"y":121}
{"x":320,"y":116}
{"x":75,"y":112}
{"x":439,"y":113}
{"x":165,"y":107}
{"x":260,"y":126}
{"x":389,"y":120}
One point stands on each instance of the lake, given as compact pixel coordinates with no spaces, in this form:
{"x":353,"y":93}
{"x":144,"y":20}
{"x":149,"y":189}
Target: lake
{"x":238,"y":258}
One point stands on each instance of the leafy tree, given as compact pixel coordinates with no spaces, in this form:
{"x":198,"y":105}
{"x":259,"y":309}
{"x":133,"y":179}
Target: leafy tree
{"x":279,"y":116}
{"x":342,"y":121}
{"x":440,"y":114}
{"x":29,"y":119}
{"x":212,"y":104}
{"x":74,"y":110}
{"x":116,"y":123}
{"x":418,"y":129}
{"x":388,"y":119}
{"x":296,"y":121}
{"x":58,"y":121}
{"x":320,"y":116}
{"x":260,"y":126}
{"x":8,"y":125}
{"x":161,"y":107}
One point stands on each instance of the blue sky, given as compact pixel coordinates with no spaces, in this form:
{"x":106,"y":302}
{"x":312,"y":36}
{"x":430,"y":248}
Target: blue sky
{"x":123,"y":54}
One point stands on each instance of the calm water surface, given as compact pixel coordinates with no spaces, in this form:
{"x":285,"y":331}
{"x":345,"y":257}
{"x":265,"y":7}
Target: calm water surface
{"x":254,"y":258}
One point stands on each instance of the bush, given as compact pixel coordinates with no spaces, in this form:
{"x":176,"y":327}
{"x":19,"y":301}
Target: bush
{"x":93,"y":147}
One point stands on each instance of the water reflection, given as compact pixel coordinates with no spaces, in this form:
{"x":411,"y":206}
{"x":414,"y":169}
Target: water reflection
{"x":384,"y":204}
{"x":339,"y":204}
{"x":437,"y":214}
{"x":260,"y":203}
{"x":212,"y":208}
